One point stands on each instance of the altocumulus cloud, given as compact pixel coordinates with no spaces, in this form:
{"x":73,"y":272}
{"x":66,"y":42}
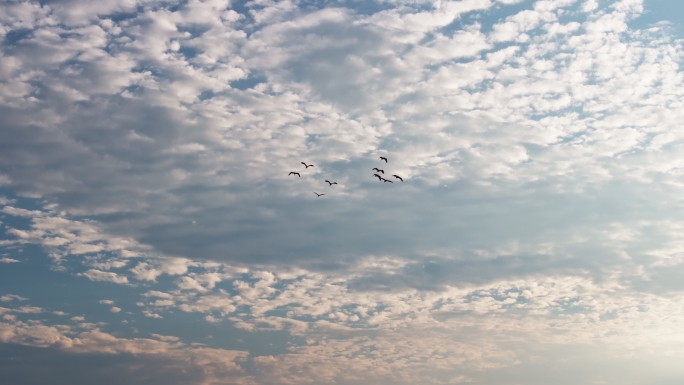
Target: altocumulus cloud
{"x":536,"y":238}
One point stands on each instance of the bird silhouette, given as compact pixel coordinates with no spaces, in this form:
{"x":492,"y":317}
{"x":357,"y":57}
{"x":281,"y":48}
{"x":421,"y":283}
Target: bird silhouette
{"x":330,"y":183}
{"x":295,"y":173}
{"x":379,"y":177}
{"x":383,"y":158}
{"x":398,"y":177}
{"x":307,"y":165}
{"x":317,"y":194}
{"x":378,"y":170}
{"x":387,"y":180}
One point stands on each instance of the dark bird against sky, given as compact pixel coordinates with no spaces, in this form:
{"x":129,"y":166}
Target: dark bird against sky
{"x":295,"y":173}
{"x":378,"y":176}
{"x":378,"y":170}
{"x":383,"y":158}
{"x":330,"y":183}
{"x":307,"y":165}
{"x":398,"y":177}
{"x":317,"y":194}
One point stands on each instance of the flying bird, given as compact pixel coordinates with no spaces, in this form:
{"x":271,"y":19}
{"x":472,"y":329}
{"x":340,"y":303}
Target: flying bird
{"x":330,"y":183}
{"x":387,"y":180}
{"x":295,"y":173}
{"x":383,"y":158}
{"x":317,"y":194}
{"x":378,"y":170}
{"x":307,"y":165}
{"x":398,"y":177}
{"x":379,"y":177}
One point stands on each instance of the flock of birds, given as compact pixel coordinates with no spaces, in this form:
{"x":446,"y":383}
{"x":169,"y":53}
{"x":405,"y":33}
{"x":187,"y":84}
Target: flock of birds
{"x":377,"y":174}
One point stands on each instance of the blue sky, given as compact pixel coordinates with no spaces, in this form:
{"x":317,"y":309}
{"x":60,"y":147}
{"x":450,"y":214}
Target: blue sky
{"x":150,"y":232}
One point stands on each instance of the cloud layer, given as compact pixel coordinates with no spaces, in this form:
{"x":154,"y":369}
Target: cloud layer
{"x":146,"y":145}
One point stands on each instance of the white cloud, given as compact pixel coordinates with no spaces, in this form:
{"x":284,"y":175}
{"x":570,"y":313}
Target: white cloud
{"x":106,"y":302}
{"x":62,"y":236}
{"x":166,"y":338}
{"x":162,"y":303}
{"x":158,"y":294}
{"x":96,"y":275}
{"x":8,"y":260}
{"x":171,"y":266}
{"x":115,"y":309}
{"x":12,"y":297}
{"x":150,"y":314}
{"x":5,"y":201}
{"x":106,"y":264}
{"x":187,"y":283}
{"x":29,"y":310}
{"x":589,"y":5}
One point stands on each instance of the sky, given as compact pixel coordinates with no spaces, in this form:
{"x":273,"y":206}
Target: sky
{"x":150,"y":232}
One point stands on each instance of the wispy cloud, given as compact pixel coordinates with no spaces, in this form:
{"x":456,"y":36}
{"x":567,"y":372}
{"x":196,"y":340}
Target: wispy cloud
{"x":223,"y":363}
{"x":12,"y":297}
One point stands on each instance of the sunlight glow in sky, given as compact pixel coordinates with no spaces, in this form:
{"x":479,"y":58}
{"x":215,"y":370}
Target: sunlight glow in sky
{"x":150,"y":232}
